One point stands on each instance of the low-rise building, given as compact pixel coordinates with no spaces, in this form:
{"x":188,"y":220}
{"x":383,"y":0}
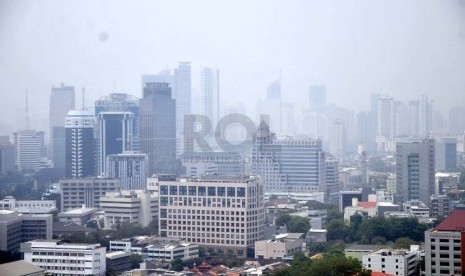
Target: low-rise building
{"x":21,"y":268}
{"x":316,"y":235}
{"x":140,"y":207}
{"x":152,"y":248}
{"x":393,"y":261}
{"x":439,"y":206}
{"x":444,"y":252}
{"x":280,"y":246}
{"x":28,"y":206}
{"x":416,"y":208}
{"x":78,"y":216}
{"x":59,"y":258}
{"x":118,"y":262}
{"x":366,"y":208}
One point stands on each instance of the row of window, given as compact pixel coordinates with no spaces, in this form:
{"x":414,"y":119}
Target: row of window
{"x":202,"y":191}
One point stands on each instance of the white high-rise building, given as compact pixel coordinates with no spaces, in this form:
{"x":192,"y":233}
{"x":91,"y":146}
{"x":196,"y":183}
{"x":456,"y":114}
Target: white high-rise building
{"x":61,"y":259}
{"x":182,"y":93}
{"x":27,"y":145}
{"x":226,"y":214}
{"x":210,"y":94}
{"x":131,"y":167}
{"x":338,"y":139}
{"x":386,"y":123}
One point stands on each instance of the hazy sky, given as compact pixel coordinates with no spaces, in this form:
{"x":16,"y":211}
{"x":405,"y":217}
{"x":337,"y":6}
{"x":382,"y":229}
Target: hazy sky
{"x":404,"y":48}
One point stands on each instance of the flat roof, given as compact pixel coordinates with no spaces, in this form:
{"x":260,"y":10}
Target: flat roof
{"x":19,"y":268}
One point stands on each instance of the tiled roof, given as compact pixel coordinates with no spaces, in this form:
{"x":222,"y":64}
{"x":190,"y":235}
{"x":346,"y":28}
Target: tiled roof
{"x":454,"y":222}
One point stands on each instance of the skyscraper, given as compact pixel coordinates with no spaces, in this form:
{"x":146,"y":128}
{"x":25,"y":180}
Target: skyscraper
{"x":446,"y":154}
{"x":386,"y":122}
{"x":182,"y":93}
{"x":338,"y":139}
{"x":115,"y":135}
{"x":130,"y":167}
{"x":288,"y":165}
{"x":317,"y":95}
{"x":210,"y":94}
{"x":158,"y":128}
{"x":27,"y":146}
{"x":62,"y":100}
{"x":80,"y":144}
{"x":415,"y":170}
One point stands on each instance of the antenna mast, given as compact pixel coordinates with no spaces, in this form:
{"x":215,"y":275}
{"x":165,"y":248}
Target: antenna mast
{"x":27,"y":112}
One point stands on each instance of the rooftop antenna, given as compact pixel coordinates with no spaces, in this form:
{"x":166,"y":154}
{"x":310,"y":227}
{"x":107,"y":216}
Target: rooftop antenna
{"x":83,"y":98}
{"x":27,"y":112}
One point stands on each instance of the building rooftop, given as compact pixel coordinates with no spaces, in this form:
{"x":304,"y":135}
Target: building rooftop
{"x":20,"y":268}
{"x":454,"y":222}
{"x":77,"y":211}
{"x":367,"y":204}
{"x":389,"y":252}
{"x":117,"y":254}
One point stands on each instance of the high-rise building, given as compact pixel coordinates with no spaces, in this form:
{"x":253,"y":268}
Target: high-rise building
{"x":425,"y":117}
{"x":338,"y":139}
{"x":115,"y":135}
{"x":7,"y":157}
{"x":226,"y":215}
{"x":274,"y":90}
{"x":415,"y":170}
{"x":317,"y":95}
{"x":386,"y":122}
{"x":164,"y":76}
{"x":288,"y":165}
{"x":80,"y":144}
{"x":456,"y":121}
{"x":130,"y":168}
{"x":62,"y":100}
{"x":158,"y":128}
{"x":446,"y":154}
{"x":182,"y":93}
{"x":444,"y":246}
{"x":119,"y":103}
{"x":28,"y":149}
{"x":60,"y":258}
{"x":210,"y":94}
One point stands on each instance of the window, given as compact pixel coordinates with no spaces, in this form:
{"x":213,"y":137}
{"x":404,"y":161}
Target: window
{"x":173,"y":190}
{"x":182,"y":190}
{"x":202,"y":191}
{"x":163,"y":190}
{"x":211,"y":191}
{"x":192,"y":191}
{"x":221,"y":191}
{"x":241,"y":192}
{"x":231,"y":192}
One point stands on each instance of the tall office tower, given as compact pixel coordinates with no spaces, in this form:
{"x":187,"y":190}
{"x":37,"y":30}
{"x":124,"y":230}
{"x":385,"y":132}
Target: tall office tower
{"x":158,"y":128}
{"x":121,"y":102}
{"x":317,"y":95}
{"x":414,"y":118}
{"x":274,"y":90}
{"x":446,"y":154}
{"x":210,"y":94}
{"x":27,"y":146}
{"x":80,"y":144}
{"x":386,"y":120}
{"x":114,"y":135}
{"x":62,"y":100}
{"x":226,"y":215}
{"x":164,"y":76}
{"x":444,"y":246}
{"x":332,"y":175}
{"x":456,"y":121}
{"x":288,"y":165}
{"x":7,"y":157}
{"x":182,"y":93}
{"x":130,"y":167}
{"x":415,"y":170}
{"x":363,"y":166}
{"x":425,"y":117}
{"x":338,"y":139}
{"x":401,"y":117}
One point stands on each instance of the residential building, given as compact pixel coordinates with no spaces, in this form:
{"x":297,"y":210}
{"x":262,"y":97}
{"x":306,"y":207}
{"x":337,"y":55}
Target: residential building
{"x":80,"y":144}
{"x":28,"y":150}
{"x":226,"y":215}
{"x":138,"y":207}
{"x":79,"y":216}
{"x":415,"y":170}
{"x":60,"y":258}
{"x":153,"y":248}
{"x":444,"y":246}
{"x":393,"y":261}
{"x":288,"y":165}
{"x":158,"y":128}
{"x":78,"y":192}
{"x":279,"y":247}
{"x":115,"y":135}
{"x":130,"y":167}
{"x":62,"y":100}
{"x":439,"y":206}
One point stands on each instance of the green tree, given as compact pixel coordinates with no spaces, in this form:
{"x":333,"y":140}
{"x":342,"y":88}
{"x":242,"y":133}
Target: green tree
{"x":403,"y":243}
{"x":298,"y":225}
{"x":136,"y":259}
{"x":283,"y":219}
{"x":177,"y":265}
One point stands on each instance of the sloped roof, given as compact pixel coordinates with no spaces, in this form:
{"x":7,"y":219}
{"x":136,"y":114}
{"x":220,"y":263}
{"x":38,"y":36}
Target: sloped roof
{"x":454,"y":222}
{"x":367,"y":204}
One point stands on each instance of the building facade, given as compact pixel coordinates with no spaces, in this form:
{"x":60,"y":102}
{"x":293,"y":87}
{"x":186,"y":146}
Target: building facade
{"x":130,"y":167}
{"x":78,"y":192}
{"x":415,"y":175}
{"x":280,"y":246}
{"x":226,"y":215}
{"x":28,"y":149}
{"x":61,"y":259}
{"x":392,"y":261}
{"x":80,"y":144}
